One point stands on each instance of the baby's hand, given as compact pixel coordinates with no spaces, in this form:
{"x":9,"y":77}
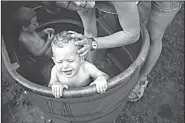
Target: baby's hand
{"x":49,"y":31}
{"x":57,"y":89}
{"x":50,"y":37}
{"x":101,"y":84}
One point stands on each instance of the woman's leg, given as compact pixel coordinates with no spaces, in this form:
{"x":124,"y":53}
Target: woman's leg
{"x":161,"y":15}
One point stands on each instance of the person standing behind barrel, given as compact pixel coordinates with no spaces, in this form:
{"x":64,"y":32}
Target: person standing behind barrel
{"x":128,"y":16}
{"x":161,"y":15}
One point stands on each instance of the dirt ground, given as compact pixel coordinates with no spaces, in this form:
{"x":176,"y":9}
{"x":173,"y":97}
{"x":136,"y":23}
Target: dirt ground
{"x":163,"y":101}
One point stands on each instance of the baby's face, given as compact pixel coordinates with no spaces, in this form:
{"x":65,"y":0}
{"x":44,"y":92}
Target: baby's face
{"x":66,"y":59}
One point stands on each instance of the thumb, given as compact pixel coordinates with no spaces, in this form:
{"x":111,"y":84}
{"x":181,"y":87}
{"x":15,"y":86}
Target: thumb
{"x":93,"y":83}
{"x":65,"y":86}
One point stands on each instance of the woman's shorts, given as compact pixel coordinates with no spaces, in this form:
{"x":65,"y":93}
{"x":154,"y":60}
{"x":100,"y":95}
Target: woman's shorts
{"x":166,"y":7}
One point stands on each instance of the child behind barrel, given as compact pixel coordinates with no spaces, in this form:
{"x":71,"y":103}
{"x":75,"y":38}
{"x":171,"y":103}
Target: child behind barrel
{"x":26,"y":19}
{"x":70,"y":70}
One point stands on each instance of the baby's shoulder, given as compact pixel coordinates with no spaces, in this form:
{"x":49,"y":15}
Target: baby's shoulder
{"x":54,"y":70}
{"x":87,"y":66}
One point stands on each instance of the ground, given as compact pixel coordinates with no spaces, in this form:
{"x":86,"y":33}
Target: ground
{"x":163,"y":101}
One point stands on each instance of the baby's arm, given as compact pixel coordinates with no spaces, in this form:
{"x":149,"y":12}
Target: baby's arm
{"x":100,"y":78}
{"x":57,"y":87}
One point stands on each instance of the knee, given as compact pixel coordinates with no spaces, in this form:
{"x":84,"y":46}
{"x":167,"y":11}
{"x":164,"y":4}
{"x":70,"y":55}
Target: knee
{"x":156,"y":43}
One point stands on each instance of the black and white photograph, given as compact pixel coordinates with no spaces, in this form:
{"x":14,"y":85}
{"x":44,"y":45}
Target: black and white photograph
{"x":92,"y":61}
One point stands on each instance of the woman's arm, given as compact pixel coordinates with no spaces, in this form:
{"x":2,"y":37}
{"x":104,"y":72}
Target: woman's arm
{"x":129,"y":20}
{"x":89,"y":22}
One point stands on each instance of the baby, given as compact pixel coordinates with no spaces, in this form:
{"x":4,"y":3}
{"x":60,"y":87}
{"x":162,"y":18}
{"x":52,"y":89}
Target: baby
{"x":70,"y":70}
{"x":27,"y":20}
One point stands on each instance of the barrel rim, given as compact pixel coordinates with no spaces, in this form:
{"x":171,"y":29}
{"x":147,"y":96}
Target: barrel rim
{"x":81,"y":91}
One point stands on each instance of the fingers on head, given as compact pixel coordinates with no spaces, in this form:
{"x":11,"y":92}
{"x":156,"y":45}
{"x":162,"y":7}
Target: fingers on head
{"x":80,"y":42}
{"x":81,"y":50}
{"x":83,"y":54}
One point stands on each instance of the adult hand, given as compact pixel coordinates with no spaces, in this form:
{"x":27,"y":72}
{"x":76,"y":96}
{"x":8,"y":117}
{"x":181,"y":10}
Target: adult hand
{"x":84,"y":41}
{"x":57,"y":89}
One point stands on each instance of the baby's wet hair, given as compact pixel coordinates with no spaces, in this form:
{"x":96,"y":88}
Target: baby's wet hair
{"x":62,"y":39}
